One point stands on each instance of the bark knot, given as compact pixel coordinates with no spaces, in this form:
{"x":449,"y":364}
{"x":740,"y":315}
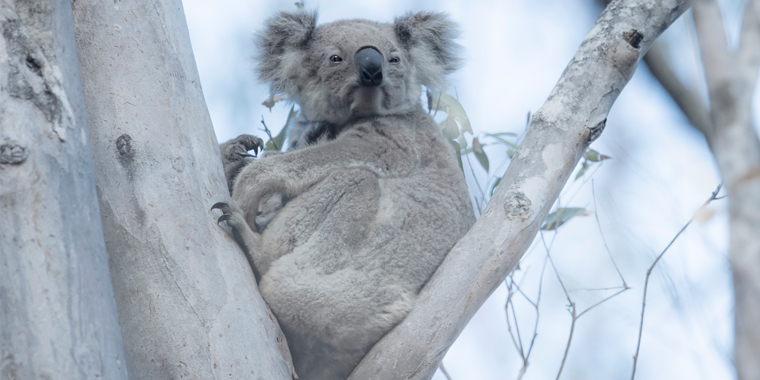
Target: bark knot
{"x":13,"y":154}
{"x":596,"y":131}
{"x":517,"y":206}
{"x":126,"y":156}
{"x":633,"y":37}
{"x":124,"y":146}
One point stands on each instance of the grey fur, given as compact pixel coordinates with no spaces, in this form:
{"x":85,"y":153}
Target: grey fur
{"x":361,"y":219}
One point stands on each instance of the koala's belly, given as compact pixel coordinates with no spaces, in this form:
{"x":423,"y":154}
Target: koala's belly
{"x":355,"y":250}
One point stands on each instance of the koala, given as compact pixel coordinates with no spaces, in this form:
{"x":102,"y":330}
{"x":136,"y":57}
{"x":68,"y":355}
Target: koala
{"x":370,"y":199}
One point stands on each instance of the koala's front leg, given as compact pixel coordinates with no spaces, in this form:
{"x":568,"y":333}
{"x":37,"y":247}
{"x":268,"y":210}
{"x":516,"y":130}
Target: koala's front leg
{"x":235,"y":155}
{"x":249,"y":241}
{"x":294,"y":172}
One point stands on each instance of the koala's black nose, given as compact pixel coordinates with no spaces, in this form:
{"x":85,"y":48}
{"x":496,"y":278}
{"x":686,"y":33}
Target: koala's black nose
{"x":369,"y":62}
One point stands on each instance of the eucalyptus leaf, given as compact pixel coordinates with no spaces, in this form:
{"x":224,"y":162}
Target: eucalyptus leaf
{"x":269,"y":103}
{"x":501,"y":140}
{"x":450,"y":129}
{"x":495,"y":183}
{"x":453,"y":109}
{"x":581,"y":172}
{"x":561,"y":216}
{"x":458,"y":150}
{"x":477,"y":149}
{"x":595,"y":156}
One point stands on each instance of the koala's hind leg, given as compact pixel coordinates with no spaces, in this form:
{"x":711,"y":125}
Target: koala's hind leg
{"x":249,"y":241}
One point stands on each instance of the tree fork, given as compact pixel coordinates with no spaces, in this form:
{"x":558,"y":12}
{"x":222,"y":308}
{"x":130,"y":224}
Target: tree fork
{"x":572,"y":117}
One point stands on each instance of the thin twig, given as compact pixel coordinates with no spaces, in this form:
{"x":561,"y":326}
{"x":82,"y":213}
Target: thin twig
{"x":515,"y":340}
{"x":609,"y":253}
{"x":601,"y":302}
{"x":569,"y":340}
{"x":269,"y":133}
{"x":572,"y":309}
{"x":535,"y":327}
{"x":571,"y":306}
{"x":597,"y":289}
{"x":474,"y":177}
{"x":445,"y":373}
{"x":523,"y":355}
{"x":713,"y":196}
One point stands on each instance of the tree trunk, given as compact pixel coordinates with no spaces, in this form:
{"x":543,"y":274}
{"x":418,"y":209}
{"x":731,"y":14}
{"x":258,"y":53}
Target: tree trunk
{"x":57,"y":311}
{"x":731,"y":78}
{"x":731,"y":81}
{"x":187,"y":300}
{"x":573,"y":116}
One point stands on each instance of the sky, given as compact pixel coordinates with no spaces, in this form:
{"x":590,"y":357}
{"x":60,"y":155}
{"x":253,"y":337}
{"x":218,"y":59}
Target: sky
{"x":661,"y":171}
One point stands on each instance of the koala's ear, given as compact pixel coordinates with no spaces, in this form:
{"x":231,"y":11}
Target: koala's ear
{"x":430,"y":39}
{"x":285,"y":36}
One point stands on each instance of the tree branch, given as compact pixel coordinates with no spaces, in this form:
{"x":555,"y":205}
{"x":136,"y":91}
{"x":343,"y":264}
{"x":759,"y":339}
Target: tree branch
{"x":716,"y":59}
{"x":748,"y":54}
{"x":573,"y":116}
{"x":686,"y":99}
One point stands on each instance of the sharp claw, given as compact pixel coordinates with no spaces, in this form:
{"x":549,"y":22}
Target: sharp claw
{"x":219,"y":205}
{"x":223,"y":218}
{"x":245,"y":154}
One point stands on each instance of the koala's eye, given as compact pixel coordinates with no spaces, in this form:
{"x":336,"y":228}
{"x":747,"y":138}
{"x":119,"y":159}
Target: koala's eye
{"x":336,"y":58}
{"x":395,"y":60}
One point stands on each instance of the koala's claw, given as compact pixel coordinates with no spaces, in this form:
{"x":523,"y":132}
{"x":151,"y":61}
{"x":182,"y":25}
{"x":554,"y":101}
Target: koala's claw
{"x":231,"y":213}
{"x":237,"y":148}
{"x":249,"y":142}
{"x":226,"y":210}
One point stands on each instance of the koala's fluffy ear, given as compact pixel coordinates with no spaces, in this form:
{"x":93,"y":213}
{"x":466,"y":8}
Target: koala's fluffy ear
{"x":280,"y":48}
{"x":430,"y":39}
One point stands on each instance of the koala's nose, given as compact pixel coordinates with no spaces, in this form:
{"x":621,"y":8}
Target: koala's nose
{"x":370,"y":65}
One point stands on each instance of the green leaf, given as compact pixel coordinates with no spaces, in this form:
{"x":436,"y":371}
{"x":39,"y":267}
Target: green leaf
{"x":269,"y":103}
{"x":477,"y":149}
{"x":561,"y":216}
{"x":495,"y":183}
{"x":278,"y":141}
{"x":458,"y":151}
{"x":501,"y":140}
{"x":453,"y":109}
{"x":581,"y":172}
{"x":511,"y":153}
{"x":502,"y":134}
{"x":450,"y":129}
{"x":594,"y":156}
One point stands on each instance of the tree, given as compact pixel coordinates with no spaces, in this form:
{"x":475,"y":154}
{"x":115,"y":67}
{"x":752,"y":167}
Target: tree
{"x":726,"y":124}
{"x":57,"y":311}
{"x":187,"y":300}
{"x":157,"y":172}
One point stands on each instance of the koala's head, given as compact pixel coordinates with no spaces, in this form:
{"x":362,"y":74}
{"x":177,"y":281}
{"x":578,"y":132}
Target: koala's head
{"x":355,"y":68}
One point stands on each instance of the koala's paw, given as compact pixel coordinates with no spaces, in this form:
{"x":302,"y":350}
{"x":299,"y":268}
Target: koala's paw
{"x":232,"y":214}
{"x":237,"y":148}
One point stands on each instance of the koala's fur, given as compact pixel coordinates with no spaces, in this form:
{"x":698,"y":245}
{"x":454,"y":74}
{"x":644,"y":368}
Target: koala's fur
{"x":373,"y":198}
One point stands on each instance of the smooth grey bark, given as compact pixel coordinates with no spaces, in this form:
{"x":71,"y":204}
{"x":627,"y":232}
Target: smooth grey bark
{"x":187,"y":300}
{"x":57,"y":311}
{"x":572,"y":117}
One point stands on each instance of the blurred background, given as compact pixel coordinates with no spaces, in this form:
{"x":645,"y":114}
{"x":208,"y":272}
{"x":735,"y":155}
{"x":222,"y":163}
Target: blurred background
{"x":660,"y":172}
